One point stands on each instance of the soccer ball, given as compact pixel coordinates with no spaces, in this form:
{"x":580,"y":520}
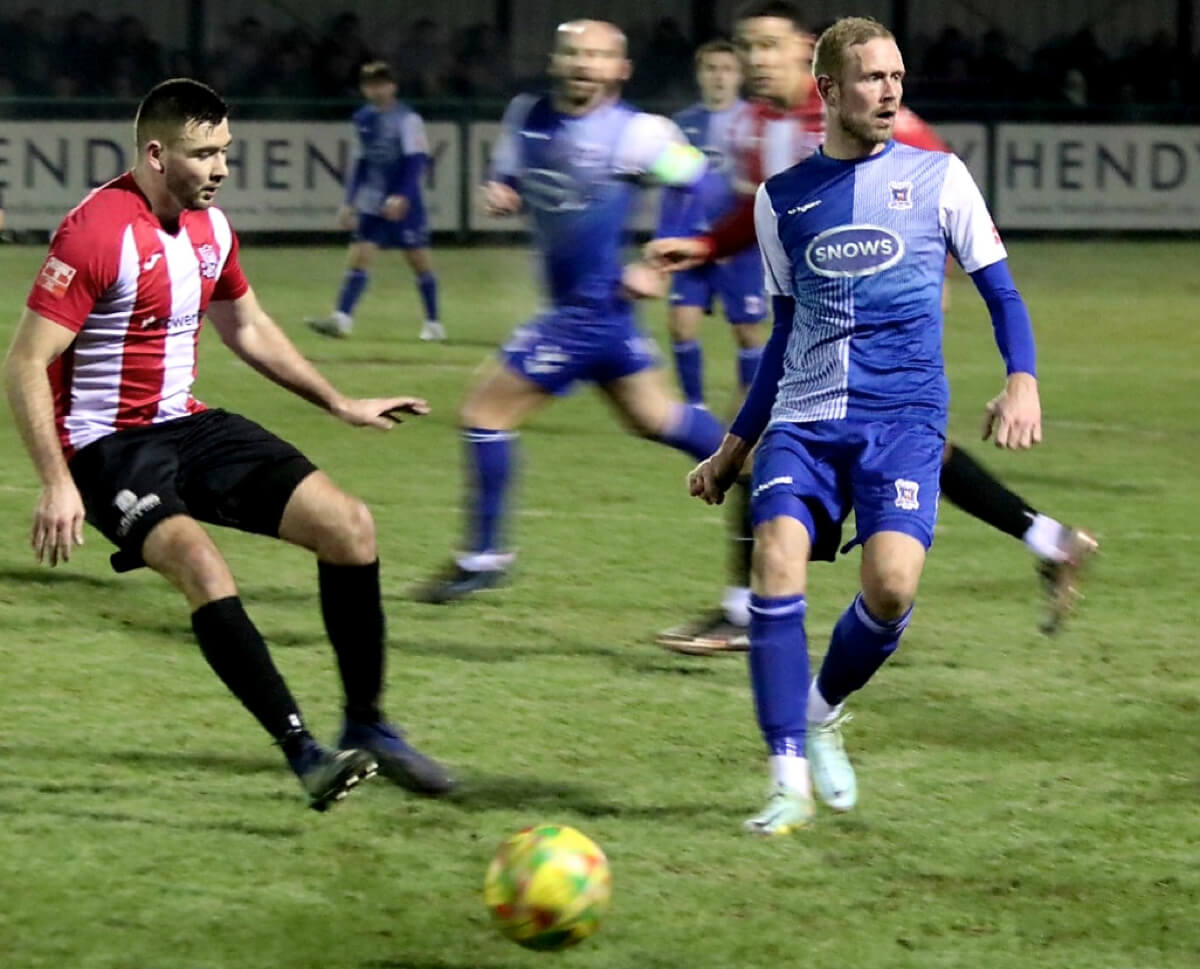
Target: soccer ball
{"x":547,"y":887}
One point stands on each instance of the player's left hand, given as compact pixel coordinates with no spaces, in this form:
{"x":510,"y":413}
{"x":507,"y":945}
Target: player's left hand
{"x":395,"y":207}
{"x":380,"y":412}
{"x":1014,"y":416}
{"x":640,"y":280}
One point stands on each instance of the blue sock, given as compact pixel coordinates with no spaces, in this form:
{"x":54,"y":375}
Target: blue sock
{"x":748,"y":365}
{"x":427,"y":285}
{"x":859,"y":646}
{"x":779,"y":671}
{"x":489,"y":457}
{"x":352,"y":290}
{"x":689,"y":366}
{"x":694,"y":431}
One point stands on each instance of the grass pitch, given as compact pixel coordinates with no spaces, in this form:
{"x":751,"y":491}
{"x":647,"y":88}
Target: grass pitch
{"x":1024,"y":802}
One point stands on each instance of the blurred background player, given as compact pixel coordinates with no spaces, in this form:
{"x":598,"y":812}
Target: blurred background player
{"x":738,"y":281}
{"x":100,"y":378}
{"x":575,"y":159}
{"x":784,"y":123}
{"x":853,"y":398}
{"x":384,"y":207}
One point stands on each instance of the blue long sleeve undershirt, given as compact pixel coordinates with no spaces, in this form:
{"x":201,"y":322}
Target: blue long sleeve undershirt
{"x":1010,"y":317}
{"x":752,"y":419}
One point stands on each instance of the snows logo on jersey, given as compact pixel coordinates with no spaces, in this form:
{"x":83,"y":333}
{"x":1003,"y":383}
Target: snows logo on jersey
{"x":854,"y":250}
{"x":208,"y":261}
{"x":55,"y":277}
{"x":553,"y":191}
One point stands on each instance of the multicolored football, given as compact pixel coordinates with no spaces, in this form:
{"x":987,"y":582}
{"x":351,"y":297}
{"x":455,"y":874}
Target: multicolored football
{"x":548,"y":887}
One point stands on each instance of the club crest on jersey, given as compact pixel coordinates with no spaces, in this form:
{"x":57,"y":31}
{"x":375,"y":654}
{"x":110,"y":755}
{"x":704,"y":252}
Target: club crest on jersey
{"x":906,"y":494}
{"x":853,"y":250}
{"x":901,"y":195}
{"x":208,"y":261}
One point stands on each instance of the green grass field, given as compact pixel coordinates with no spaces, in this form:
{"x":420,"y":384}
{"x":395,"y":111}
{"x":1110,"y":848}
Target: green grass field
{"x":1024,"y":802}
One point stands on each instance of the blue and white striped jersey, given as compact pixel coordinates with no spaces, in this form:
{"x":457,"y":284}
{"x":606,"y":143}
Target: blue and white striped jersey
{"x":861,"y":246}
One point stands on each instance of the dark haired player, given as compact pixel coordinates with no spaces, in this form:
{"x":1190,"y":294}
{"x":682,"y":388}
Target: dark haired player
{"x":384,"y":207}
{"x":784,"y":123}
{"x":99,"y":376}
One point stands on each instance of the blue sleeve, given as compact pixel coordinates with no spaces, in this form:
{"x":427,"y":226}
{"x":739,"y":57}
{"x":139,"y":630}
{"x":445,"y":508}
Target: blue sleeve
{"x":752,"y":419}
{"x":357,"y":173}
{"x":1010,"y":318}
{"x":680,"y":211}
{"x":405,"y":176}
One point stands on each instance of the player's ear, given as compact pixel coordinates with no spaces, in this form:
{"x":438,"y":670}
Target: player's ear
{"x":825,"y":85}
{"x":626,"y":71}
{"x":152,"y":153}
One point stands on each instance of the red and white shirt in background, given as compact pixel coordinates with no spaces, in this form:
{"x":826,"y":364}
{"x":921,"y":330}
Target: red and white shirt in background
{"x":135,"y":296}
{"x":767,"y":140}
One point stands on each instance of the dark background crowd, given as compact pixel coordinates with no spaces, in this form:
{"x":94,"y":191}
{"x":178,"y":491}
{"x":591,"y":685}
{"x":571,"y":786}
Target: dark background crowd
{"x":87,"y":55}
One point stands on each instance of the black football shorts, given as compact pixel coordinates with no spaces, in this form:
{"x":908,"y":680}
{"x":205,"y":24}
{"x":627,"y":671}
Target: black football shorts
{"x":215,"y":466}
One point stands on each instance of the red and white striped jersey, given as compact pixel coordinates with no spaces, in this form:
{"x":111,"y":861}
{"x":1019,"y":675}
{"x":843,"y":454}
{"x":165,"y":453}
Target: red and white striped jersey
{"x":135,"y":297}
{"x":766,"y":140}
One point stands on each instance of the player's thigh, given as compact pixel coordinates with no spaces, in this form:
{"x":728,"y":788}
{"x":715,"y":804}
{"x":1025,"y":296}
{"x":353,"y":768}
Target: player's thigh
{"x":796,"y":476}
{"x":237,"y":474}
{"x":324,"y":519}
{"x":892,"y":563}
{"x":180,"y":550}
{"x":895,"y":487}
{"x":502,"y":398}
{"x":361,"y":254}
{"x":419,"y":259}
{"x":683,"y":322}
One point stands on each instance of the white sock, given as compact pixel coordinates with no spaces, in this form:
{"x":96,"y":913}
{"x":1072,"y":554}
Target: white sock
{"x":1042,"y":537}
{"x":790,"y":772}
{"x":736,"y":604}
{"x":486,"y":561}
{"x":819,"y":710}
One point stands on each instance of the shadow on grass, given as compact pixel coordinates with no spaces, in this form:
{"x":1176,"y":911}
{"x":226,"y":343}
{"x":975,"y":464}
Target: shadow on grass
{"x":492,"y":792}
{"x":73,"y":814}
{"x":423,"y":963}
{"x":41,"y":577}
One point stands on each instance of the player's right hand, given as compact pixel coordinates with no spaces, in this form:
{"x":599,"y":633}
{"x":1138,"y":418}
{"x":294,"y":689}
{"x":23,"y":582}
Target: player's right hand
{"x":497,"y":199}
{"x":345,"y":218}
{"x":676,"y":254}
{"x":713,"y":476}
{"x":57,"y":522}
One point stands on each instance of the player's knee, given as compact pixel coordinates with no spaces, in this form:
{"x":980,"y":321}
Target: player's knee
{"x":196,"y":565}
{"x":352,"y":541}
{"x":774,"y":568}
{"x":748,"y":336}
{"x":890,"y":591}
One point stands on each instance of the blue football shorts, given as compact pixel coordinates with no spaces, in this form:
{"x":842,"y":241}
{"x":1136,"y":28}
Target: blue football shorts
{"x":886,"y":472}
{"x":737,"y":282}
{"x":564,"y":345}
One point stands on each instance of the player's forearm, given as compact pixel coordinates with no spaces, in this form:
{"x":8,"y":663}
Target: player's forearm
{"x":269,"y":351}
{"x":357,"y":171}
{"x":755,"y":413}
{"x":406,"y":179}
{"x":32,"y":404}
{"x":1011,"y":324}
